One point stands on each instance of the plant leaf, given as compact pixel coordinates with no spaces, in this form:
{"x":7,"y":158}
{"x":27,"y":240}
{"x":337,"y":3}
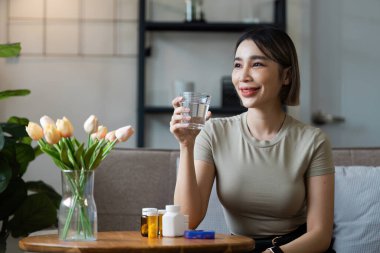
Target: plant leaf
{"x":63,"y":155}
{"x":37,"y":151}
{"x":15,"y":130}
{"x":2,"y":139}
{"x":10,"y":50}
{"x":89,"y":153}
{"x":24,"y":155}
{"x":97,"y":160}
{"x":18,"y":120}
{"x":13,"y":93}
{"x":12,"y":197}
{"x":41,"y":187}
{"x":5,"y":173}
{"x":78,"y":154}
{"x":51,"y":152}
{"x":70,"y":152}
{"x":36,"y":212}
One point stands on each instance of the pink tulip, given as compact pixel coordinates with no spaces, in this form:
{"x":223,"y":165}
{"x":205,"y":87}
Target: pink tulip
{"x":101,"y":133}
{"x":91,"y":124}
{"x":110,"y":136}
{"x":93,"y":136}
{"x":52,"y":135}
{"x":123,"y":133}
{"x":45,"y":121}
{"x":65,"y":127}
{"x":34,"y":131}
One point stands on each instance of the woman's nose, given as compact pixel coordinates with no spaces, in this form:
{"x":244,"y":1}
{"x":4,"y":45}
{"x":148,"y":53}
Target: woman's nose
{"x":245,"y":75}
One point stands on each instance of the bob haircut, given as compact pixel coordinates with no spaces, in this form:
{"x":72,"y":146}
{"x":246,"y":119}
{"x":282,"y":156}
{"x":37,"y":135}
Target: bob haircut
{"x":279,"y":47}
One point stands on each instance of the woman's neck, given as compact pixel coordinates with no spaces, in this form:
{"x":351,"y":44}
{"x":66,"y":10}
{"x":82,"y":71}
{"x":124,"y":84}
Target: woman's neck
{"x":264,"y":125}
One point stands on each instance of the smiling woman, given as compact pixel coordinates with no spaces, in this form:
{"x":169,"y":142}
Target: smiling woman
{"x":250,"y":153}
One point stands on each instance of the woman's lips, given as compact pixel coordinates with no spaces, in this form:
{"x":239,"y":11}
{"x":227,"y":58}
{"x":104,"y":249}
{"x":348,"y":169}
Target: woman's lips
{"x":249,"y":91}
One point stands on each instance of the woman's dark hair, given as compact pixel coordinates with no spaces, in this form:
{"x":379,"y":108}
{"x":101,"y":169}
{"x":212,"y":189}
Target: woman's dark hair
{"x":279,"y":47}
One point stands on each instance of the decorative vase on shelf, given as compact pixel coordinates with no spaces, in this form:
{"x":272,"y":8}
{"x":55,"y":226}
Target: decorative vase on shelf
{"x":77,"y":218}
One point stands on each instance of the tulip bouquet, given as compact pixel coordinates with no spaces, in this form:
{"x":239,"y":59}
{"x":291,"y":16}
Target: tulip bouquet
{"x":77,"y":161}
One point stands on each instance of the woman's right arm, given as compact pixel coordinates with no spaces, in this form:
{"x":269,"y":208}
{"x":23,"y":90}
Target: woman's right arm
{"x":194,"y":179}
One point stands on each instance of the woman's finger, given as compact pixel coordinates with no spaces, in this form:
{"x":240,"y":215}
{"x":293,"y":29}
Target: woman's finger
{"x":176,"y":102}
{"x":208,"y":115}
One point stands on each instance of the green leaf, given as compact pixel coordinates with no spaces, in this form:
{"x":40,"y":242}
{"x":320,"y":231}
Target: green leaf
{"x":51,"y":152}
{"x":41,"y":187}
{"x":63,"y":155}
{"x":12,"y":197}
{"x":5,"y":173}
{"x":37,"y":151}
{"x":70,"y":152}
{"x":15,"y":130}
{"x":95,"y":163}
{"x":36,"y":212}
{"x":13,"y":93}
{"x":18,"y":121}
{"x":2,"y":139}
{"x":89,"y":153}
{"x":24,"y":155}
{"x":78,"y":155}
{"x":10,"y":50}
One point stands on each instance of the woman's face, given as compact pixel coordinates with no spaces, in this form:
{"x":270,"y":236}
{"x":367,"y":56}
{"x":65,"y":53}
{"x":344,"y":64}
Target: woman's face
{"x":257,"y":79}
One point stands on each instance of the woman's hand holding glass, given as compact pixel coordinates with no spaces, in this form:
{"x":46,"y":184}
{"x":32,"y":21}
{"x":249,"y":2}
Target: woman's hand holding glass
{"x":180,"y":130}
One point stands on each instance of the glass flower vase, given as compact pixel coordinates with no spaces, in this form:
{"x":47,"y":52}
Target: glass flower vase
{"x":77,"y":218}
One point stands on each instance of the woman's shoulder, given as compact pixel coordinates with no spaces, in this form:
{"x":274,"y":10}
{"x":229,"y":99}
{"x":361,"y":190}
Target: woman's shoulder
{"x":300,"y":128}
{"x":223,"y":122}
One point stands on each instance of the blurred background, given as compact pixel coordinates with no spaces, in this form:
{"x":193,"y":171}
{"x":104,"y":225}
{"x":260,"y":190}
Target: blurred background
{"x":80,"y":57}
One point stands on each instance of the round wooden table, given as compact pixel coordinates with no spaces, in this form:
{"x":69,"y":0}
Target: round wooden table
{"x":132,"y":241}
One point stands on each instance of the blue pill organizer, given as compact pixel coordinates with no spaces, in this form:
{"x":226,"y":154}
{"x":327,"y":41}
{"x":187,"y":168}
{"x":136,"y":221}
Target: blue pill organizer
{"x":199,"y":234}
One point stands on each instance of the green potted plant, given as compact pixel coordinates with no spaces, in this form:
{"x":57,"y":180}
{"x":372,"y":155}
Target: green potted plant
{"x":25,"y":207}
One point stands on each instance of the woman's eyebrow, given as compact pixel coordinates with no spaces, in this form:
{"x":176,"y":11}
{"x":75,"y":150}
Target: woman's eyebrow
{"x":254,"y":57}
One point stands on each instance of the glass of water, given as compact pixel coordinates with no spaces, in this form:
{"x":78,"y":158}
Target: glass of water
{"x":198,"y":103}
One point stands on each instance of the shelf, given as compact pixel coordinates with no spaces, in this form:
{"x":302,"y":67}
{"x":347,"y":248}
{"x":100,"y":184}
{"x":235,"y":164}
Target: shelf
{"x":198,"y":26}
{"x":146,"y":26}
{"x":214,"y":110}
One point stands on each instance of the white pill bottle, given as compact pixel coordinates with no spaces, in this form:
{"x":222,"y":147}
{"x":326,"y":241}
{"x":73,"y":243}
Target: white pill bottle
{"x":173,"y":222}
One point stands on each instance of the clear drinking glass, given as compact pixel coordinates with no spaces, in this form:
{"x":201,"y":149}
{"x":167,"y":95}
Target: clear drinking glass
{"x":198,"y":103}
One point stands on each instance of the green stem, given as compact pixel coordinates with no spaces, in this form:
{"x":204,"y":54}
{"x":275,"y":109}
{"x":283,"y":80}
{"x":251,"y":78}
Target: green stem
{"x":83,"y":224}
{"x":108,"y":149}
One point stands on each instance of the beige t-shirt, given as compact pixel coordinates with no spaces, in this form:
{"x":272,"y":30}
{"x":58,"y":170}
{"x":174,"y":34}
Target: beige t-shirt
{"x":261,"y":184}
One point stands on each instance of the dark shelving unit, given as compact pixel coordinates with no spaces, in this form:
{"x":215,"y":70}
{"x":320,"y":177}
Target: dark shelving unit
{"x":156,"y":26}
{"x":198,"y":26}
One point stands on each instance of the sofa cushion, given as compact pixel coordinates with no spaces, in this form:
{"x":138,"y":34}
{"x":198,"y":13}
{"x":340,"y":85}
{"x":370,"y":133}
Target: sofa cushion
{"x":357,"y":209}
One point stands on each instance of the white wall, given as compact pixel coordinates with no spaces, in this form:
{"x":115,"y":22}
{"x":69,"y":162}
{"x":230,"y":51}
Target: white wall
{"x":345,"y":63}
{"x":71,"y":86}
{"x":64,"y":84}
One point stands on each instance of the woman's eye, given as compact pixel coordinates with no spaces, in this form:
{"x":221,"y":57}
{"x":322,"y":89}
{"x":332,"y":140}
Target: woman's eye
{"x":257,"y":64}
{"x":237,"y":65}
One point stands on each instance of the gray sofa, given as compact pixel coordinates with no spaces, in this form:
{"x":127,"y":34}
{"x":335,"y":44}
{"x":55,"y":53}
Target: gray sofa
{"x":130,"y":179}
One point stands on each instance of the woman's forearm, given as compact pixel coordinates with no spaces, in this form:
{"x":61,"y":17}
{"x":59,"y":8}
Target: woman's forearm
{"x":316,"y":241}
{"x":187,"y":192}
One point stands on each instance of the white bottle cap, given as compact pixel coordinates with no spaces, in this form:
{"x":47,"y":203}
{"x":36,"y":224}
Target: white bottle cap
{"x":147,"y":209}
{"x":161,"y":211}
{"x":151,"y":213}
{"x":173,"y":208}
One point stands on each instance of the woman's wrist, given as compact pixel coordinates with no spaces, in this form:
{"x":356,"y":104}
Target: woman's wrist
{"x":275,"y":249}
{"x":187,"y":145}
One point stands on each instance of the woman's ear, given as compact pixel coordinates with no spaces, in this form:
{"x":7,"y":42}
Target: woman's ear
{"x":286,"y":76}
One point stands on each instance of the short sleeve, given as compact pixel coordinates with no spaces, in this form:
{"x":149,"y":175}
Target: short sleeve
{"x":322,"y":159}
{"x":203,"y":144}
